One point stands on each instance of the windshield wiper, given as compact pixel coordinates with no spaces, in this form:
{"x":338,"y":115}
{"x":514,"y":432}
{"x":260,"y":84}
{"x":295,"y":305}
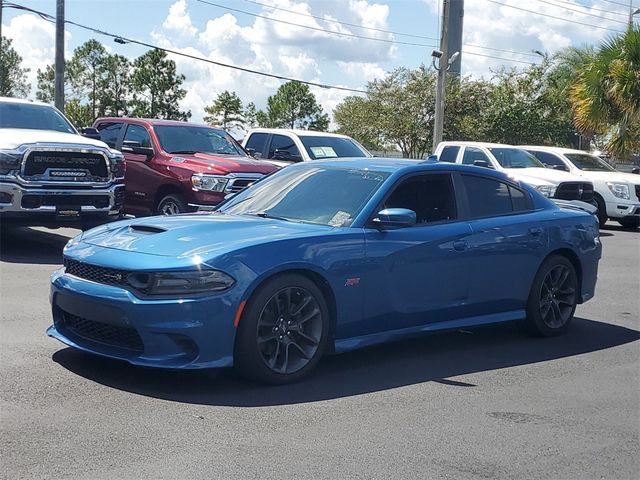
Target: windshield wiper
{"x":266,"y":215}
{"x":186,"y":152}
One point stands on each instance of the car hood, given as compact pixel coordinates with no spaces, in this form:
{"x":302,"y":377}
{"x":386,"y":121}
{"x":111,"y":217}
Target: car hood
{"x":11,"y":138}
{"x":203,"y":235}
{"x":617,"y":177}
{"x":223,"y":164}
{"x":541,"y":176}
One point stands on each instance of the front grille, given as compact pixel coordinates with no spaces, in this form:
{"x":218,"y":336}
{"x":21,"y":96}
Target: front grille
{"x":36,"y":201}
{"x":118,"y":336}
{"x":575,"y":191}
{"x":238,"y":184}
{"x":65,"y":166}
{"x":94,"y":273}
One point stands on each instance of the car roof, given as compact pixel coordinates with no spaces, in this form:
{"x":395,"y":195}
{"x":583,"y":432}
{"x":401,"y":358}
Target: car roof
{"x":295,"y":131}
{"x":478,"y":144}
{"x":154,"y":121}
{"x":553,"y":149}
{"x":24,"y":101}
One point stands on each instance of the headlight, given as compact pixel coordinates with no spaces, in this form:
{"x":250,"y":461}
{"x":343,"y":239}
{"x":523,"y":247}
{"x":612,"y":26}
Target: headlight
{"x":213,"y":183}
{"x":620,"y":190}
{"x":118,"y":163}
{"x":547,"y":190}
{"x":9,"y":160}
{"x":185,"y":282}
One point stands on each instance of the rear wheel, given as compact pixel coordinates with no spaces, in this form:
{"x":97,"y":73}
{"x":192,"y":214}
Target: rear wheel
{"x":629,"y":222}
{"x":172,"y":204}
{"x":602,"y":211}
{"x":283,"y":330}
{"x":553,"y":297}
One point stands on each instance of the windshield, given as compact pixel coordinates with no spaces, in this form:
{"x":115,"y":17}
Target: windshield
{"x":332,"y":147}
{"x":590,"y":163}
{"x":192,"y":139}
{"x":293,"y":194}
{"x":33,"y":116}
{"x":515,"y":158}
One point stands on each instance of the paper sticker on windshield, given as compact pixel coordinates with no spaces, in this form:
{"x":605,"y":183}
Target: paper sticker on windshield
{"x":323,"y":152}
{"x":339,"y":219}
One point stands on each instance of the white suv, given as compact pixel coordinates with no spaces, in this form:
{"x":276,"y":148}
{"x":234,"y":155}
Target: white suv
{"x":616,"y":193}
{"x":282,"y":146}
{"x":519,"y":165}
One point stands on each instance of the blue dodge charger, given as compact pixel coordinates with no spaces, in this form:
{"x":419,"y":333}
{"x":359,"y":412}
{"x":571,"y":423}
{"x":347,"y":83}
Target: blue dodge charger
{"x":325,"y":256}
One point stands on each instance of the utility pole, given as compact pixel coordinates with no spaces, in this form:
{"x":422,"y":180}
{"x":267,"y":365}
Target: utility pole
{"x":456,"y":17}
{"x":59,"y":78}
{"x":438,"y":121}
{"x":1,"y":6}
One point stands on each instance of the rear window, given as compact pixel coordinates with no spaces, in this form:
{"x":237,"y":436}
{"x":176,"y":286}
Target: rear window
{"x":109,"y":132}
{"x":515,"y":158}
{"x":449,"y":154}
{"x":489,"y":198}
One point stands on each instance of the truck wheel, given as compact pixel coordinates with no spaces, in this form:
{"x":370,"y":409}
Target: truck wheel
{"x":172,"y":204}
{"x":602,"y":211}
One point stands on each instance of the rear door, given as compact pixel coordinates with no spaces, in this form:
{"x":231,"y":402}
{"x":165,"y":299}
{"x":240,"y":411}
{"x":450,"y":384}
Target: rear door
{"x":140,"y":184}
{"x":417,"y":275}
{"x":505,"y":246}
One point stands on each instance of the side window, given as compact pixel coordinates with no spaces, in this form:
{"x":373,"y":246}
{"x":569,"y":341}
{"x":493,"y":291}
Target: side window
{"x":449,"y":154}
{"x":257,"y":141}
{"x":109,"y":133}
{"x":471,"y":154}
{"x":430,"y":196}
{"x":547,"y":158}
{"x":280,"y":142}
{"x":139,"y":134}
{"x":488,"y":198}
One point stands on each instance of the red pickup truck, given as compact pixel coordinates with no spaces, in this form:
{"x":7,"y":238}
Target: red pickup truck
{"x":174,"y":167}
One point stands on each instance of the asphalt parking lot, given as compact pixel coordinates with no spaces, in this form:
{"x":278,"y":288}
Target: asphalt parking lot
{"x":490,"y":403}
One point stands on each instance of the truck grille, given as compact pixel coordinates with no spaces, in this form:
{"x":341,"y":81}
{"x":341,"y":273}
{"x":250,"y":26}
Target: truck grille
{"x":238,"y":184}
{"x":94,"y":273}
{"x":575,"y":191}
{"x":65,"y":166}
{"x":37,"y":201}
{"x":118,"y":336}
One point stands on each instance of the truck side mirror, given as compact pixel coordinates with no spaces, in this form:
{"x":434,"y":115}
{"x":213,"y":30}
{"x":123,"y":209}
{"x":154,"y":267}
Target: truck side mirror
{"x":91,"y":132}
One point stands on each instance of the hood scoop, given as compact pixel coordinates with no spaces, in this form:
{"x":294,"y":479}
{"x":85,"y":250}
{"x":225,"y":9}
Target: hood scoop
{"x":146,"y":229}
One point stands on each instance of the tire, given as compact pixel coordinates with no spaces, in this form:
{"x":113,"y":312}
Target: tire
{"x":172,"y":204}
{"x":283,"y":331}
{"x":629,"y":222}
{"x":602,"y":211}
{"x":553,"y":297}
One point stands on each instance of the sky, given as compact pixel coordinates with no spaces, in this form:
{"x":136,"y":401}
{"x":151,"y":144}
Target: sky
{"x":229,"y":31}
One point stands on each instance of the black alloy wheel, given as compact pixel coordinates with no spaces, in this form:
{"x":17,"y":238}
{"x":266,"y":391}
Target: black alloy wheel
{"x":283,"y":330}
{"x":553,"y":297}
{"x":172,"y":204}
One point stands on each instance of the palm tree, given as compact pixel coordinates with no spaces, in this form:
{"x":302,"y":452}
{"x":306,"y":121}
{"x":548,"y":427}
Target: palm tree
{"x":606,"y":95}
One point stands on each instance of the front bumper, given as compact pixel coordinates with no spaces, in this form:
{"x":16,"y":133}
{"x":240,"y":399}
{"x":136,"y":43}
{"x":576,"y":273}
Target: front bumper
{"x":42,"y":205}
{"x":618,"y":210}
{"x":112,"y":322}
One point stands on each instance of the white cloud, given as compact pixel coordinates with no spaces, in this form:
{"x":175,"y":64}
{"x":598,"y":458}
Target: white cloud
{"x":179,"y":21}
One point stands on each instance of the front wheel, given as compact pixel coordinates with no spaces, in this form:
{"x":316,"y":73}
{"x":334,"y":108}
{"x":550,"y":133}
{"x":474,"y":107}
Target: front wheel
{"x":172,"y":204}
{"x":553,"y":297}
{"x":283,"y":330}
{"x":602,"y":211}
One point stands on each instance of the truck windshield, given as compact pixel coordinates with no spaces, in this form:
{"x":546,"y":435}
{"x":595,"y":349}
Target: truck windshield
{"x":590,"y":163}
{"x":292,"y":194}
{"x":515,"y":158}
{"x":33,"y":116}
{"x":193,"y":139}
{"x":332,"y":147}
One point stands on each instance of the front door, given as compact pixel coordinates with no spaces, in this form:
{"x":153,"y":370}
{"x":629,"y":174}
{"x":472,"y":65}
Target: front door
{"x":417,"y":275}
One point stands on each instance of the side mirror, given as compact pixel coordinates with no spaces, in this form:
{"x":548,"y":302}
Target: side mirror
{"x":251,"y":152}
{"x":432,"y":158}
{"x":91,"y":132}
{"x":482,"y":163}
{"x":395,"y":218}
{"x":636,"y":170}
{"x":564,"y":168}
{"x":131,"y":146}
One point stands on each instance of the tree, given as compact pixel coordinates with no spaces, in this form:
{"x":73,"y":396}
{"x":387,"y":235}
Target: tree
{"x":87,"y":74}
{"x":78,"y":113}
{"x":606,"y":94}
{"x":250,"y":116}
{"x":157,"y":87}
{"x":115,"y":85}
{"x":294,"y":106}
{"x":13,"y":78}
{"x":46,"y":84}
{"x":354,"y":118}
{"x":226,"y":111}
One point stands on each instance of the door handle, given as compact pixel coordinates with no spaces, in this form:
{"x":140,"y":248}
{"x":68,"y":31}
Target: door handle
{"x":535,"y":231}
{"x":460,"y":245}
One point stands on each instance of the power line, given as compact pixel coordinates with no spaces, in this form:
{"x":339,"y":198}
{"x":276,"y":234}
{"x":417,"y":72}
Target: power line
{"x":583,"y":12}
{"x":618,"y":3}
{"x":317,"y":17}
{"x":500,"y":50}
{"x":121,"y":39}
{"x":593,"y":8}
{"x":499,"y":58}
{"x":553,"y":16}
